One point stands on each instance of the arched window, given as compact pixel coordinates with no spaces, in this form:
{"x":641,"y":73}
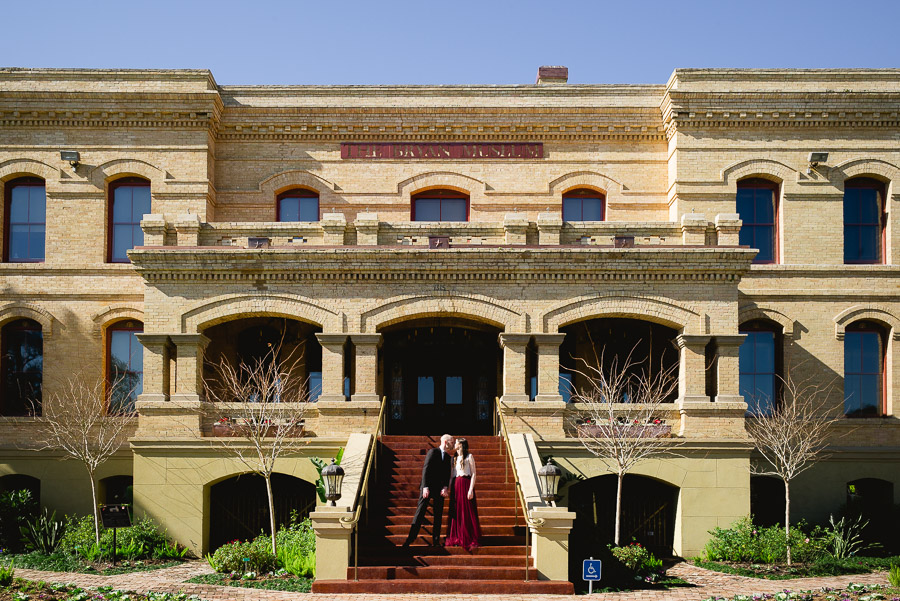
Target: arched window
{"x":584,"y":205}
{"x":26,"y":217}
{"x":22,"y":367}
{"x":864,"y":344}
{"x":440,"y":205}
{"x":757,"y":204}
{"x":125,"y":361}
{"x":129,"y":202}
{"x":864,"y":221}
{"x":759,"y":366}
{"x":298,"y":205}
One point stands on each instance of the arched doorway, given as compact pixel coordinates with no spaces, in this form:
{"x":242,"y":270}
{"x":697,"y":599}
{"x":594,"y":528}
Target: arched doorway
{"x":239,"y":506}
{"x":767,"y":500}
{"x":648,"y":514}
{"x":440,"y":375}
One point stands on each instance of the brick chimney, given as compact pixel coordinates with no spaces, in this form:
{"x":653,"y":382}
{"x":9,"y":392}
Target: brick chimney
{"x":552,"y":75}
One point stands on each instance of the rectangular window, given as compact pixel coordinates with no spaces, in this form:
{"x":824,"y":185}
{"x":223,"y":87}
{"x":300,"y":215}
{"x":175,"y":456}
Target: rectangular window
{"x":863,"y":359}
{"x":126,"y":371}
{"x":582,"y":208}
{"x":756,"y":206}
{"x":425,"y":392}
{"x":862,"y":225}
{"x":454,"y":389}
{"x":756,"y":366}
{"x":440,"y":209}
{"x":129,"y":205}
{"x":27,"y":212}
{"x":304,"y":208}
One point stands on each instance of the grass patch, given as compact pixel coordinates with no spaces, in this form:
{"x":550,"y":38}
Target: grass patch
{"x":822,"y":567}
{"x":288,"y":582}
{"x":64,"y":562}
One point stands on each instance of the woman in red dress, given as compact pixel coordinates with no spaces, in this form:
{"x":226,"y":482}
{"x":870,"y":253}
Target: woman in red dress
{"x":465,"y":531}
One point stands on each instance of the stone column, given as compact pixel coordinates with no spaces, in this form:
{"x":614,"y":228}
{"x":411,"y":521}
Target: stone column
{"x":156,"y":367}
{"x":551,"y":542}
{"x":332,"y":366}
{"x":693,"y":230}
{"x":334,"y":225}
{"x":189,"y":353}
{"x":366,"y":229}
{"x":366,"y":366}
{"x":516,"y":227}
{"x":549,"y":227}
{"x":154,"y":226}
{"x":548,"y":366}
{"x":728,"y":375}
{"x":692,"y":369}
{"x":728,"y":229}
{"x":187,"y":230}
{"x":514,"y":346}
{"x":332,"y":541}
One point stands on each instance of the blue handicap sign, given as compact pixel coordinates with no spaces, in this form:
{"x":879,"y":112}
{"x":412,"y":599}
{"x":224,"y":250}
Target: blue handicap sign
{"x":591,"y":570}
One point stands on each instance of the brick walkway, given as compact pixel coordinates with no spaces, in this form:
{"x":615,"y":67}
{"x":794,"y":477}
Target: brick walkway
{"x":707,"y":584}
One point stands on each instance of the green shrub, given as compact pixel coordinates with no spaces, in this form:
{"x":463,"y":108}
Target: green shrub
{"x":142,"y":540}
{"x":43,"y":532}
{"x":639,"y":560}
{"x":6,"y":574}
{"x":169,"y":550}
{"x":297,"y":562}
{"x":298,"y":533}
{"x":744,"y":542}
{"x":16,"y":507}
{"x":257,"y":553}
{"x":845,"y":537}
{"x":894,"y":576}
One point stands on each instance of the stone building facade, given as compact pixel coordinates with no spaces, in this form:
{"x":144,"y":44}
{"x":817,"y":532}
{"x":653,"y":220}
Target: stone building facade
{"x":454,"y":240}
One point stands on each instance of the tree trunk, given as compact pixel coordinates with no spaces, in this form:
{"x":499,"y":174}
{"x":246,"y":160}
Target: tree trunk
{"x":619,"y":508}
{"x":96,"y":508}
{"x":787,"y":519}
{"x":271,"y":512}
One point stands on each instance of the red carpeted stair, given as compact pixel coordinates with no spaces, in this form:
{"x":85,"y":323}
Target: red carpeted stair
{"x":498,"y":566}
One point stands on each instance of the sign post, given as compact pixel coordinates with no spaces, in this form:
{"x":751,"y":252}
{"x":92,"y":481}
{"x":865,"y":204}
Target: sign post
{"x":591,"y":572}
{"x":115,"y":516}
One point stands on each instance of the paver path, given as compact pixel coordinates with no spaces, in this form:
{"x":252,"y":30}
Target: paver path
{"x":707,"y":584}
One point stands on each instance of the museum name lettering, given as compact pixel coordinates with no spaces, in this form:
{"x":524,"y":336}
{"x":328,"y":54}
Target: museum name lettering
{"x":352,"y":150}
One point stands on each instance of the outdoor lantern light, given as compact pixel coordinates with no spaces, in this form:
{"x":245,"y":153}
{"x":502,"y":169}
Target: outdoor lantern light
{"x":333,"y":475}
{"x":549,"y":476}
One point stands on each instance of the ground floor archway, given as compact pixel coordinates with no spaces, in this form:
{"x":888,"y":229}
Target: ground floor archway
{"x":239,"y":506}
{"x":440,"y":375}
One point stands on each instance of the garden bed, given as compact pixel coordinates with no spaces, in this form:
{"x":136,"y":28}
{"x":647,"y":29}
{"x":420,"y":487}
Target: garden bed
{"x":852,"y":592}
{"x":25,"y":590}
{"x":64,"y":562}
{"x":782,"y":571}
{"x":272,"y":582}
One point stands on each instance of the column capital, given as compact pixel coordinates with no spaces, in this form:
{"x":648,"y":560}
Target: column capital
{"x":731,"y":340}
{"x":692,"y":340}
{"x":331,"y":339}
{"x":366,"y":339}
{"x":189,"y":340}
{"x":514,"y":340}
{"x":549,"y":339}
{"x":153,"y":340}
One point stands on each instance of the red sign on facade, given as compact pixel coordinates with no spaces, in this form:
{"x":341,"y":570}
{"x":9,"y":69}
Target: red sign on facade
{"x":439,"y":150}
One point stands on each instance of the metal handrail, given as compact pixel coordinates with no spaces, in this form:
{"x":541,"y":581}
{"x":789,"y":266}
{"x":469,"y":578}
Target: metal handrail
{"x":529,"y":522}
{"x":363,"y":499}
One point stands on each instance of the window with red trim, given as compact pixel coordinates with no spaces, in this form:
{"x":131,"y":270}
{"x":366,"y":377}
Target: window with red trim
{"x":759,"y":366}
{"x":757,"y":205}
{"x":26,"y":220}
{"x":129,"y":202}
{"x":864,"y":356}
{"x":298,"y":205}
{"x":21,"y":367}
{"x":440,"y":205}
{"x":125,"y":361}
{"x":864,"y":221}
{"x":584,"y":205}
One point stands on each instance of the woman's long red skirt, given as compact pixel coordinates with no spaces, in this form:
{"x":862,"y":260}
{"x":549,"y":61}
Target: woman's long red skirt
{"x":465,"y":531}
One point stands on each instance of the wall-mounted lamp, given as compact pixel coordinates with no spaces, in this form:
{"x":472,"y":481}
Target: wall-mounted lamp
{"x":70,"y":156}
{"x":814,"y":159}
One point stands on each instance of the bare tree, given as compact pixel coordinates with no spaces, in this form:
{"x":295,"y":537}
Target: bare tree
{"x":270,"y":396}
{"x":88,"y":420}
{"x":792,"y":436}
{"x":622,"y":419}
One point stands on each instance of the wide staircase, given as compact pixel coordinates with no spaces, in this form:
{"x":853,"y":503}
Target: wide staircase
{"x":497,"y":566}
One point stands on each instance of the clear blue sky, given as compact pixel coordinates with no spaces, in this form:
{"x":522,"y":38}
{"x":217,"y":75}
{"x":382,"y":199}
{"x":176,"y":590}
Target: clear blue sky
{"x":456,"y":42}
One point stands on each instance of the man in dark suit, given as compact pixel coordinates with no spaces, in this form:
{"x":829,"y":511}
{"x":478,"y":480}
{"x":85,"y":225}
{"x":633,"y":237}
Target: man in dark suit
{"x":435,"y":484}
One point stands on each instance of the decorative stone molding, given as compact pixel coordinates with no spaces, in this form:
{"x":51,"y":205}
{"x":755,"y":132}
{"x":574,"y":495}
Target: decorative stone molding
{"x":478,"y":307}
{"x":209,"y":312}
{"x":14,"y":168}
{"x":113,"y":313}
{"x":765,"y":168}
{"x":864,"y":167}
{"x":655,"y":309}
{"x":102,"y":175}
{"x":21,"y":310}
{"x":875,"y":313}
{"x":790,"y":328}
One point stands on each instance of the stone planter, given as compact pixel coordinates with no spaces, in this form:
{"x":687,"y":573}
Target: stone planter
{"x":626,"y":430}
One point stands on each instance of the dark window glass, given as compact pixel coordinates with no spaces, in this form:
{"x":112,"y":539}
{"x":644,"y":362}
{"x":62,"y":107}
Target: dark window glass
{"x":298,"y":206}
{"x":26,"y":212}
{"x":863,"y":221}
{"x":583,"y":205}
{"x":454,"y":390}
{"x":756,"y":206}
{"x":440,"y":206}
{"x":130,"y":202}
{"x":756,"y":365}
{"x":126,"y":366}
{"x":22,"y":367}
{"x":425,"y":391}
{"x":863,"y":371}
